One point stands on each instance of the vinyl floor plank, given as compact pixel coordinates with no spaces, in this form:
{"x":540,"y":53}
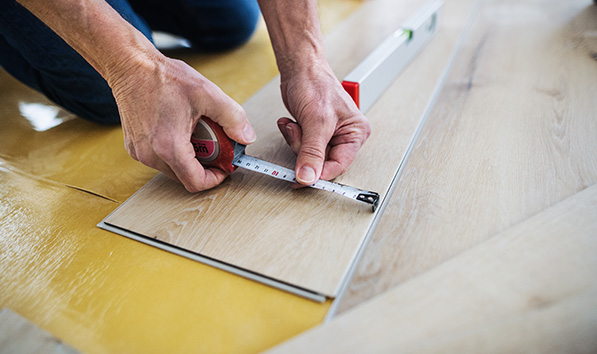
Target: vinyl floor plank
{"x":102,"y":293}
{"x":512,"y":133}
{"x":531,"y":289}
{"x":306,"y":238}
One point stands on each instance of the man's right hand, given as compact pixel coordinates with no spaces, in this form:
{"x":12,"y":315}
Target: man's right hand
{"x":160,"y":101}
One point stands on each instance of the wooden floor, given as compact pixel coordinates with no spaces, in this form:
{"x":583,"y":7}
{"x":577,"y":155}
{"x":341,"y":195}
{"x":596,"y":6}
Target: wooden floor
{"x":529,"y":289}
{"x":490,"y":241}
{"x":511,"y":134}
{"x":487,"y":241}
{"x":18,"y":335}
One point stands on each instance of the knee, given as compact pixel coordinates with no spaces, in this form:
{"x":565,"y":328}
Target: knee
{"x":98,"y":112}
{"x":231,"y":28}
{"x":245,"y":19}
{"x":102,"y":113}
{"x":96,"y":104}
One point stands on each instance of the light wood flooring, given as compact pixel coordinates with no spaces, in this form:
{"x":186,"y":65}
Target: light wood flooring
{"x":489,"y":243}
{"x":306,"y":238}
{"x":485,"y":148}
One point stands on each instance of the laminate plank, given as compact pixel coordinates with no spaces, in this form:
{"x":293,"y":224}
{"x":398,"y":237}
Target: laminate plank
{"x":103,"y":293}
{"x":513,"y":132}
{"x":306,"y":238}
{"x":530,"y":289}
{"x":18,"y":335}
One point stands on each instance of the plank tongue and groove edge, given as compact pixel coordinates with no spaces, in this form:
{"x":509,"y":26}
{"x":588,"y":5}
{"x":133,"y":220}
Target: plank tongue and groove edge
{"x":303,"y":238}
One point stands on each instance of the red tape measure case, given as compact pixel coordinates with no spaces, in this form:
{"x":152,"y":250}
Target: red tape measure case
{"x":213,"y":148}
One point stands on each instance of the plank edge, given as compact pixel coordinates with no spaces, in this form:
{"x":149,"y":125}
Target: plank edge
{"x":313,"y":296}
{"x":428,"y":108}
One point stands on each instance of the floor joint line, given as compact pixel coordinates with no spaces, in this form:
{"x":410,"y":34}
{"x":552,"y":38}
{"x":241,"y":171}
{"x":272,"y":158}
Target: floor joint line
{"x":429,"y":106}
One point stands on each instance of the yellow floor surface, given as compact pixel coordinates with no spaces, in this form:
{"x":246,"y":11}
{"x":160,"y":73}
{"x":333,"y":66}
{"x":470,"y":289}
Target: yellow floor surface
{"x":104,"y":293}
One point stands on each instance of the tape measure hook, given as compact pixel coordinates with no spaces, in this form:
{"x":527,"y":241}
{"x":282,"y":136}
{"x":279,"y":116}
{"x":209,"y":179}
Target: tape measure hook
{"x":369,"y":198}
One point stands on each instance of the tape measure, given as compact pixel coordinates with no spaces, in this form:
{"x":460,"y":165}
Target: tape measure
{"x":213,"y":148}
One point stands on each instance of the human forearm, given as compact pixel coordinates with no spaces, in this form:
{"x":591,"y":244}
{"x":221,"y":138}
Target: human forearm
{"x":329,"y":129}
{"x":295,"y":34}
{"x":97,"y":32}
{"x":160,"y":100}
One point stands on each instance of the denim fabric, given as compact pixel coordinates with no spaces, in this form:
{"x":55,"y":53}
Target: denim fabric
{"x":36,"y":56}
{"x":210,"y":25}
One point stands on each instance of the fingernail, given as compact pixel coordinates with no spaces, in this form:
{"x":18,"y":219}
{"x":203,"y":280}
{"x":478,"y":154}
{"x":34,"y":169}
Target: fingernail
{"x":306,"y":175}
{"x":249,"y":134}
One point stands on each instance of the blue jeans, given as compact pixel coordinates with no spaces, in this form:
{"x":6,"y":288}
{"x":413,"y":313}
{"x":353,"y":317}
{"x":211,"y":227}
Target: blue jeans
{"x":36,"y":56}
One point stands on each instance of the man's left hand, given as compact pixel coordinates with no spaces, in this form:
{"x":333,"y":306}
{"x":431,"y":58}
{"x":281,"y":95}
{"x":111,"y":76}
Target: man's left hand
{"x":329,"y":128}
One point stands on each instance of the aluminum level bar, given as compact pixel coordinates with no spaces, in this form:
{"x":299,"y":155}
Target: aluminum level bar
{"x":372,"y":77}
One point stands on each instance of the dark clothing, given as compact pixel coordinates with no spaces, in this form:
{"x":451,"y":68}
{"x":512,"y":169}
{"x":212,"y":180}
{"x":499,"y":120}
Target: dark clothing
{"x":36,"y":56}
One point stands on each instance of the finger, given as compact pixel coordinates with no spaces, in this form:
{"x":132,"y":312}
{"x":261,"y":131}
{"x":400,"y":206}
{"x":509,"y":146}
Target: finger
{"x":298,"y":185}
{"x":178,"y":154}
{"x":295,"y":135}
{"x":145,"y":155}
{"x":292,"y":133}
{"x":339,"y":159}
{"x":344,"y":147}
{"x":129,"y":145}
{"x":165,"y":169}
{"x":191,"y":173}
{"x":199,"y":180}
{"x":282,"y":123}
{"x":230,"y":115}
{"x":311,"y":156}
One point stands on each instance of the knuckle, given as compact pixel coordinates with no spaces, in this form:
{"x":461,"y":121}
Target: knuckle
{"x":340,"y":171}
{"x":359,"y":130}
{"x":145,"y":157}
{"x":162,"y":147}
{"x":366,"y":130}
{"x":130,"y":149}
{"x":192,"y":188}
{"x":237,"y":109}
{"x":312,"y":152}
{"x":198,"y":85}
{"x":235,"y":113}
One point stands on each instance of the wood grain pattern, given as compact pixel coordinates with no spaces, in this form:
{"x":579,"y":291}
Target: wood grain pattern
{"x":512,"y":133}
{"x":306,"y":238}
{"x":18,"y":335}
{"x":530,"y":289}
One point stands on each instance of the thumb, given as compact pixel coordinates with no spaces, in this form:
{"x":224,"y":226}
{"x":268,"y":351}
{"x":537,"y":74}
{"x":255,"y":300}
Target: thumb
{"x":311,"y":157}
{"x":230,"y":116}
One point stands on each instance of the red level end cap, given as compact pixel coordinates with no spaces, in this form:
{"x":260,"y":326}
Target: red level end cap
{"x":353,"y":90}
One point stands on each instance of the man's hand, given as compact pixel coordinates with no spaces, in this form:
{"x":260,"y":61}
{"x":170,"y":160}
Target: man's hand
{"x":160,"y":102}
{"x":329,"y":128}
{"x":160,"y":99}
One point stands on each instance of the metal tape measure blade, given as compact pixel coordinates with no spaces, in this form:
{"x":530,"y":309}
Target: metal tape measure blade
{"x":267,"y":168}
{"x":213,"y":148}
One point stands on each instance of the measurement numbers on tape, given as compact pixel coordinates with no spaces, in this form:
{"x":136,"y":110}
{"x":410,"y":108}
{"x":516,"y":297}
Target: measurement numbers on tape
{"x":213,"y":148}
{"x":286,"y":174}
